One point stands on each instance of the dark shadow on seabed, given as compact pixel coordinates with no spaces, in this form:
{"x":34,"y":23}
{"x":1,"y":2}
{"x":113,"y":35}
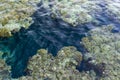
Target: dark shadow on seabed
{"x":45,"y":32}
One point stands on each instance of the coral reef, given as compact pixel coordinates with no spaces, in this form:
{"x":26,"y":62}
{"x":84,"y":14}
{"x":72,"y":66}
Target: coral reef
{"x":90,"y":65}
{"x":78,"y":12}
{"x":72,"y":11}
{"x":15,"y":14}
{"x":4,"y":71}
{"x":112,"y":9}
{"x":44,"y":66}
{"x":45,"y":32}
{"x":51,"y":30}
{"x":104,"y":46}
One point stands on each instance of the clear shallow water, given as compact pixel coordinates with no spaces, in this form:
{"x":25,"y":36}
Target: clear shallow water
{"x":51,"y":34}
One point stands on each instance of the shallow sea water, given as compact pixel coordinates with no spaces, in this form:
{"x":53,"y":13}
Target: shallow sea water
{"x":51,"y":34}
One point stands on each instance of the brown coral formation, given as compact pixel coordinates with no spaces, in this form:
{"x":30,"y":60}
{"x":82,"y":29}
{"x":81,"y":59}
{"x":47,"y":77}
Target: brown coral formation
{"x":15,"y":14}
{"x":45,"y":66}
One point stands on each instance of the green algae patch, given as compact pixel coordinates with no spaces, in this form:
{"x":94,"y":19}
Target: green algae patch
{"x":15,"y":14}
